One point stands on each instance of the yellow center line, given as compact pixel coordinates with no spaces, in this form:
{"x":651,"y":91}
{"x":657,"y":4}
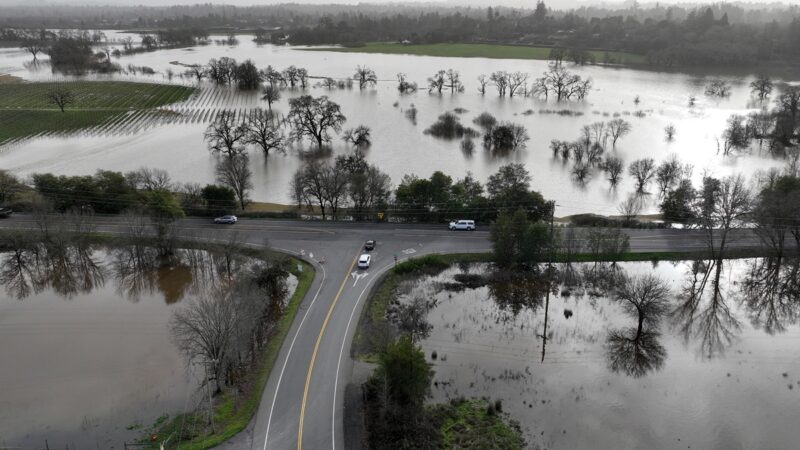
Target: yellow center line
{"x":314,"y":354}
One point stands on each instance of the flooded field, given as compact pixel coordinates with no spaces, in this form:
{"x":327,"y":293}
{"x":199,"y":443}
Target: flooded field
{"x":90,"y":327}
{"x":649,"y":100}
{"x":719,"y":370}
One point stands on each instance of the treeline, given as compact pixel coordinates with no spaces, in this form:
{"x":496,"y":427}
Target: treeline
{"x":349,"y":187}
{"x":81,"y":51}
{"x":667,"y":36}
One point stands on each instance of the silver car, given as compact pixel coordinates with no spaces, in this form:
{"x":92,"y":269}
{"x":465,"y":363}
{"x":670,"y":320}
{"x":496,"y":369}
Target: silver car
{"x":229,"y":219}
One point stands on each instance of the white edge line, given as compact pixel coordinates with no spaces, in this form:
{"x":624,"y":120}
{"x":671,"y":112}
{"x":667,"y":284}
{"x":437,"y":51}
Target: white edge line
{"x":289,"y":353}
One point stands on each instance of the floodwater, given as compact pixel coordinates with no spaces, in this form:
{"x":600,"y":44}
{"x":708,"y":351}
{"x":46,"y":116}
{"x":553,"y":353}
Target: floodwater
{"x":399,"y":145}
{"x":720,"y":370}
{"x":87,"y":359}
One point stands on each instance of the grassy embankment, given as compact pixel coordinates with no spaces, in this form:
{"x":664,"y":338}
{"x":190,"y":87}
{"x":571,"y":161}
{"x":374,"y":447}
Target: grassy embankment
{"x":233,"y":413}
{"x":26,"y":111}
{"x":476,"y":51}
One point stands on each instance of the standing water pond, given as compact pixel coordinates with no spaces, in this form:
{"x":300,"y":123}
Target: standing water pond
{"x":719,"y":370}
{"x":649,"y":100}
{"x":87,"y":356}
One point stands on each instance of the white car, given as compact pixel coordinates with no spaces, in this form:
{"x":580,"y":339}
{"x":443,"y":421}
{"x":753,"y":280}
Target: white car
{"x":468,"y":225}
{"x":363,"y":261}
{"x":230,"y":219}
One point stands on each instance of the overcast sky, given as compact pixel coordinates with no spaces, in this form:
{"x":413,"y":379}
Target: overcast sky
{"x":560,"y":4}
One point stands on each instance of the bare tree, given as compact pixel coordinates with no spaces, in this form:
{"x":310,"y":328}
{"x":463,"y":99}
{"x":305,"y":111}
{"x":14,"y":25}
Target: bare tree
{"x":227,"y":134}
{"x":613,"y":168}
{"x":669,"y":132}
{"x":147,"y":179}
{"x":483,"y":80}
{"x":718,"y":88}
{"x":722,"y":205}
{"x":403,"y":85}
{"x":561,"y":83}
{"x":516,"y":81}
{"x":645,"y":297}
{"x":235,"y":173}
{"x":365,"y":76}
{"x":358,"y":136}
{"x":302,"y":77}
{"x":668,"y":174}
{"x":643,"y":171}
{"x":437,"y":82}
{"x":630,"y":208}
{"x":290,"y":75}
{"x":60,"y":97}
{"x":736,"y":135}
{"x":273,"y":77}
{"x":204,"y":331}
{"x":618,"y":128}
{"x":314,"y":117}
{"x":500,"y":81}
{"x":454,"y":81}
{"x":34,"y":47}
{"x":329,"y":83}
{"x":265,"y":131}
{"x":9,"y":186}
{"x":270,"y":94}
{"x":761,"y":86}
{"x":197,"y":71}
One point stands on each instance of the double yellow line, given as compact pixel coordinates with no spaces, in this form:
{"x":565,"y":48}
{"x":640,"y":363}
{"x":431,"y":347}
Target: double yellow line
{"x":314,"y":354}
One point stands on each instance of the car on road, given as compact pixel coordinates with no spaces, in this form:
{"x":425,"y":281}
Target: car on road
{"x":369,"y":245}
{"x":468,"y":225}
{"x":363,"y":261}
{"x":4,"y":213}
{"x":229,"y":219}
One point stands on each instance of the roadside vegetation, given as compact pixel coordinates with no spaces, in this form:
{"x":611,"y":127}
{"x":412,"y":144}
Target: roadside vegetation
{"x":28,"y":109}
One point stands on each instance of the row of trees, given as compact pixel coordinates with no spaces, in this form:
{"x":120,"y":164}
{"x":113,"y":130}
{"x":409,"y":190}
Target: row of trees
{"x":557,"y":82}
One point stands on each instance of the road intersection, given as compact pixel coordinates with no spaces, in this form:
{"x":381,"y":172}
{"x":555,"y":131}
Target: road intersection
{"x":303,"y":401}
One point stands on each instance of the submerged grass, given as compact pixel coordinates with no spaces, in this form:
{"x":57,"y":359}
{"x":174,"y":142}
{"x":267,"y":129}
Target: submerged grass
{"x":496,"y":51}
{"x":26,"y":111}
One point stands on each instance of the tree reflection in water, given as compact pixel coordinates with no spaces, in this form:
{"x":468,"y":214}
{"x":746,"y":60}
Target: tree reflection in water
{"x":67,"y":269}
{"x":706,"y":315}
{"x":75,"y":266}
{"x":636,"y":351}
{"x":515,"y":291}
{"x":771,"y":293}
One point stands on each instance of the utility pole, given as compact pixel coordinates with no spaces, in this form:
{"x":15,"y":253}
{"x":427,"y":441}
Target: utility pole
{"x":549,"y":276}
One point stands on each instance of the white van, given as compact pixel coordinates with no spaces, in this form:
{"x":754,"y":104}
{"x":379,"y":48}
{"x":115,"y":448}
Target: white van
{"x":468,"y":225}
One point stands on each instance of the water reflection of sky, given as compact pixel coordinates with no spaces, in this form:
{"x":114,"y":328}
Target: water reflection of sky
{"x":399,"y":146}
{"x":86,"y":350}
{"x":730,"y":377}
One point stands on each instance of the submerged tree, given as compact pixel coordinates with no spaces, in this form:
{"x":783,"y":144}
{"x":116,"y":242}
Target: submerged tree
{"x":265,"y":131}
{"x":314,"y":118}
{"x":642,"y":170}
{"x":227,"y":134}
{"x":365,"y":77}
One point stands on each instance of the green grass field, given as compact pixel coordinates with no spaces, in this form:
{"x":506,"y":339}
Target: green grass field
{"x":474,"y":51}
{"x":26,"y":111}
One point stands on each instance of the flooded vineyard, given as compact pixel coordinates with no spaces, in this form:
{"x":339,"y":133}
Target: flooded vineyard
{"x":719,"y":368}
{"x":171,"y":137}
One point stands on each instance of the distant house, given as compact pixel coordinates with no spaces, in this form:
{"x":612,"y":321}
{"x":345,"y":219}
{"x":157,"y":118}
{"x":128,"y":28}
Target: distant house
{"x":405,"y":42}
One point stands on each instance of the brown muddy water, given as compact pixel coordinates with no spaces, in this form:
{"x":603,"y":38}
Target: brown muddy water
{"x":86,"y":358}
{"x":721,"y":370}
{"x":649,"y":100}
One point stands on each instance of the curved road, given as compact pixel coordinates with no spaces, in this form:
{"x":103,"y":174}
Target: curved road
{"x":302,"y":405}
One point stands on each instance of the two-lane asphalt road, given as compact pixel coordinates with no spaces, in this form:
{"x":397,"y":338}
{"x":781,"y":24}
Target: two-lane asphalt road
{"x":302,"y":404}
